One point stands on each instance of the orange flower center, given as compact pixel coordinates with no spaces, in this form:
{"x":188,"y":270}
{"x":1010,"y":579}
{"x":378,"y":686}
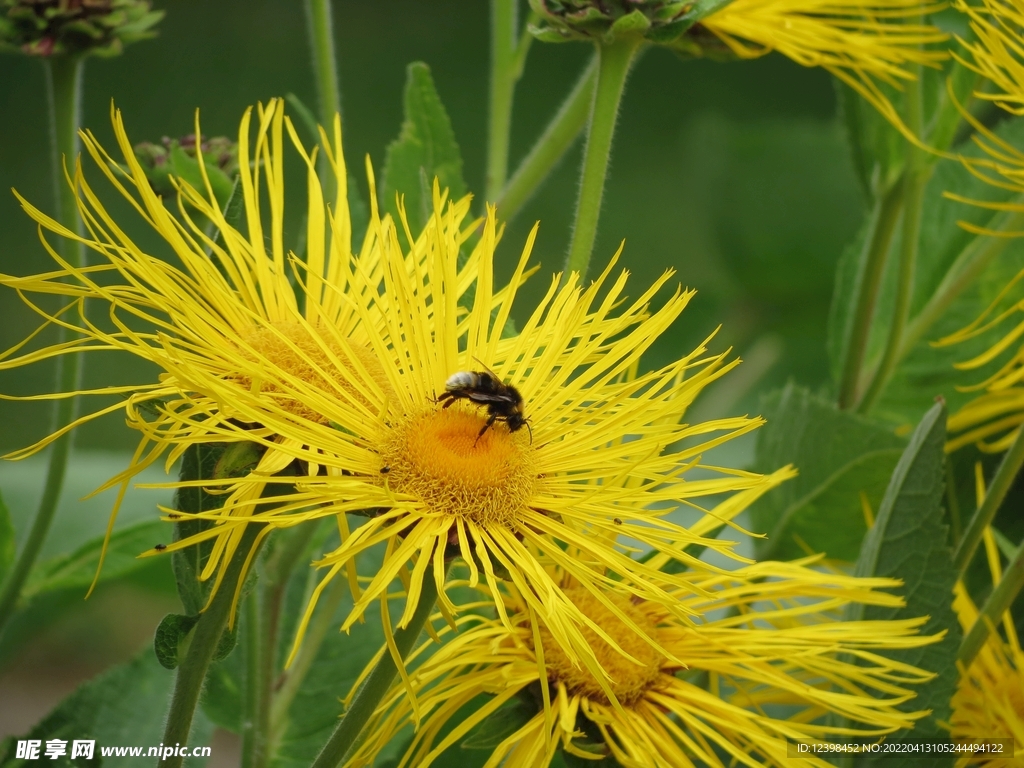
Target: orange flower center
{"x":439,"y":456}
{"x":629,"y":681}
{"x":292,"y":348}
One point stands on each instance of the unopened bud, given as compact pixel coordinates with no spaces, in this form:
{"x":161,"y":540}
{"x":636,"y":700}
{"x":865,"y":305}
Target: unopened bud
{"x":178,"y":158}
{"x":669,"y":23}
{"x":74,"y":27}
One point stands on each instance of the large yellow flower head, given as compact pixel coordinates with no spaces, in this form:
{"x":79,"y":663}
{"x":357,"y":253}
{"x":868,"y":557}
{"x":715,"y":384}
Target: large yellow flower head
{"x":217,"y":314}
{"x":338,"y":380}
{"x":989,"y":700}
{"x":770,"y":634}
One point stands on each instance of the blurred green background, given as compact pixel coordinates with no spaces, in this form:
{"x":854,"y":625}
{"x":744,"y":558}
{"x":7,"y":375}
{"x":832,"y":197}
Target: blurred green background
{"x":735,"y":175}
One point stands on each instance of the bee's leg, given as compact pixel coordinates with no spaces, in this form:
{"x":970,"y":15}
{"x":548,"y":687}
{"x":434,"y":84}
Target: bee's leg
{"x":447,"y":398}
{"x":485,"y":427}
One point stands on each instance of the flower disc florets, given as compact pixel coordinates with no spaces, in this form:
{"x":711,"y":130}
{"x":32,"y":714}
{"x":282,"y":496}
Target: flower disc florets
{"x":310,"y":357}
{"x":629,"y":681}
{"x":440,"y":457}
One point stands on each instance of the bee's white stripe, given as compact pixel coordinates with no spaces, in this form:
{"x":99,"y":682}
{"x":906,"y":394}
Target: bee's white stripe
{"x":460,"y":379}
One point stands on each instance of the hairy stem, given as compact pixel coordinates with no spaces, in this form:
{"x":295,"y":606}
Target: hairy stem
{"x":255,"y":685}
{"x":552,"y":145}
{"x":915,"y":179}
{"x":378,"y":682}
{"x":205,"y":638}
{"x":614,"y":60}
{"x":64,"y":91}
{"x":325,"y":72}
{"x":883,"y":224}
{"x":504,"y":25}
{"x":986,"y":512}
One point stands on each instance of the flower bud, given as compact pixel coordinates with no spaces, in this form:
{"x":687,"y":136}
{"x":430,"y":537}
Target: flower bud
{"x":668,"y":23}
{"x":177,"y":157}
{"x":74,"y":27}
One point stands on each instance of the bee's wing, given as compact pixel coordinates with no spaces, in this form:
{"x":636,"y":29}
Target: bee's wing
{"x":486,"y":397}
{"x":488,"y":368}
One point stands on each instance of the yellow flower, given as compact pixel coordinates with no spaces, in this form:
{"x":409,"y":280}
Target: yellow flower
{"x":989,"y":701}
{"x":220,"y":317}
{"x":861,"y":42}
{"x":592,"y":467}
{"x":340,"y":377}
{"x":771,"y":634}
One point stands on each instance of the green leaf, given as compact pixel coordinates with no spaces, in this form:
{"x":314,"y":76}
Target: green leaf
{"x":124,"y":706}
{"x":908,"y":542}
{"x":314,"y":713}
{"x":171,"y":639}
{"x":77,"y":569}
{"x":839,"y":456}
{"x":928,"y":371}
{"x":703,"y":8}
{"x":424,"y":149}
{"x":500,"y":725}
{"x":198,"y":461}
{"x":7,"y":549}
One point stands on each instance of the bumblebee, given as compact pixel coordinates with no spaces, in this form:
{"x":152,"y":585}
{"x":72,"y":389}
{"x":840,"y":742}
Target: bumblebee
{"x":503,"y":401}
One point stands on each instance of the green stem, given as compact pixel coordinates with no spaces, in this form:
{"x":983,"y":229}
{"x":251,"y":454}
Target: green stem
{"x":552,"y":145}
{"x":64,"y":90}
{"x":325,"y":72}
{"x":504,"y":25}
{"x":205,"y":638}
{"x":316,"y":633}
{"x":997,"y":490}
{"x":915,"y":179}
{"x":379,"y":681}
{"x":970,"y":263}
{"x":998,"y":602}
{"x":883,"y":224}
{"x":253,"y":735}
{"x":614,"y":60}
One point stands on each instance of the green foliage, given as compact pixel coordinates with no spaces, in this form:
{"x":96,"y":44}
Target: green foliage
{"x":122,"y":707}
{"x":927,"y":370}
{"x":839,"y":456}
{"x":908,"y":542}
{"x":77,"y":569}
{"x":171,"y":638}
{"x":201,"y":461}
{"x":7,"y":548}
{"x":424,"y":149}
{"x":500,"y":725}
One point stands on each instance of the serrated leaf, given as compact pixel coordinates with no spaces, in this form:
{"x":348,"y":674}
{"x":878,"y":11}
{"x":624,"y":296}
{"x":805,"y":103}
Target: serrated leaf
{"x":124,"y":706}
{"x":171,"y":638}
{"x":77,"y":569}
{"x":838,"y":456}
{"x":7,"y":549}
{"x":424,"y":149}
{"x":908,"y":542}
